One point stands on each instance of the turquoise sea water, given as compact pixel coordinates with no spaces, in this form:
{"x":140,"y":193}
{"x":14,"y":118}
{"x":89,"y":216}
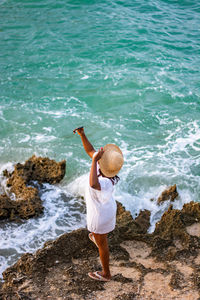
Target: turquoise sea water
{"x":126,"y":70}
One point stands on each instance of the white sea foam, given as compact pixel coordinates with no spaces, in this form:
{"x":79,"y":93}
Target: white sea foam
{"x":48,"y":129}
{"x":24,"y":139}
{"x":149,"y":170}
{"x":3,"y":180}
{"x":42,"y":138}
{"x":84,"y":77}
{"x":134,"y":203}
{"x":180,"y":141}
{"x":75,"y":102}
{"x":54,"y":113}
{"x":77,"y":186}
{"x":62,"y":213}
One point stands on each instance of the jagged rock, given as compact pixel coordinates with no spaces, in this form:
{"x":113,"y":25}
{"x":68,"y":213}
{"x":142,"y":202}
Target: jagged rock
{"x":167,"y":259}
{"x":171,"y":237}
{"x":169,"y":194}
{"x":41,"y":169}
{"x":70,"y":245}
{"x":174,"y":221}
{"x":6,"y":207}
{"x":24,"y":208}
{"x":63,"y":249}
{"x":143,"y":221}
{"x":128,"y":226}
{"x":27,"y":202}
{"x":59,"y":269}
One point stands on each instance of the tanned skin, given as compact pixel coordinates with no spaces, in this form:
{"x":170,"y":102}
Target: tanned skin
{"x":101,"y":239}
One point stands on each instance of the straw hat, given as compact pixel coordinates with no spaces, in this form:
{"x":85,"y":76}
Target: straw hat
{"x":111,"y":160}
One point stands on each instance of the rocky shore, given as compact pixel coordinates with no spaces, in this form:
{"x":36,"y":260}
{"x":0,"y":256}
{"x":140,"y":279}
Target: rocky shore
{"x":21,"y":199}
{"x":161,"y":265}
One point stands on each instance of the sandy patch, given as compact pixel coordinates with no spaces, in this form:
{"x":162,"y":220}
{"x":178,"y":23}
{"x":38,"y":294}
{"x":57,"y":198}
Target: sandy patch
{"x":139,"y":252}
{"x":114,"y":289}
{"x":194,"y":229}
{"x":131,"y":273}
{"x":183,"y":268}
{"x":156,"y":286}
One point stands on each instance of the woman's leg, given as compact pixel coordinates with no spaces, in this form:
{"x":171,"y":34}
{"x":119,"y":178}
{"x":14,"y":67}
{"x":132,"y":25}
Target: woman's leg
{"x":102,"y":242}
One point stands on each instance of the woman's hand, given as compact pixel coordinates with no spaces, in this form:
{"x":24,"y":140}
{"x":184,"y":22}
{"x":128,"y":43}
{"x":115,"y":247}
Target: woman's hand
{"x":94,"y":181}
{"x":99,"y":154}
{"x":79,"y":130}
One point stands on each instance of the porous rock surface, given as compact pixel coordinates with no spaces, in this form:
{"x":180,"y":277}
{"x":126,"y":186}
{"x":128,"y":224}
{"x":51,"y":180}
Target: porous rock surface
{"x":161,"y":265}
{"x":27,"y":202}
{"x":168,"y":194}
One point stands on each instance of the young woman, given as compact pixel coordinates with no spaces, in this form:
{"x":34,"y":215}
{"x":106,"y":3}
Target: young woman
{"x":100,"y":205}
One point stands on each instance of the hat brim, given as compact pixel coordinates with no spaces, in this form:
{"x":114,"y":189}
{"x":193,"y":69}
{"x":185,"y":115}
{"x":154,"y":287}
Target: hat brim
{"x":103,"y":163}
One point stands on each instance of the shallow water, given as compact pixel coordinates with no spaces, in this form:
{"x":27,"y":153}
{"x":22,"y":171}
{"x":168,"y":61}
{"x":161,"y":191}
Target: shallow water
{"x":127,"y":71}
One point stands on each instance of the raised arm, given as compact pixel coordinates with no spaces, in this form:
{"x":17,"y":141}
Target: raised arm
{"x":89,"y":149}
{"x":94,"y":181}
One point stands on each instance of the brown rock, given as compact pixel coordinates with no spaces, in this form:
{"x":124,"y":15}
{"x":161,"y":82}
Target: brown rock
{"x":59,"y":270}
{"x":127,"y":226}
{"x":23,"y":208}
{"x":27,"y":202}
{"x":41,"y":169}
{"x":174,"y":221}
{"x":70,"y":245}
{"x":6,"y":207}
{"x":143,"y":221}
{"x":171,"y":238}
{"x":168,"y":194}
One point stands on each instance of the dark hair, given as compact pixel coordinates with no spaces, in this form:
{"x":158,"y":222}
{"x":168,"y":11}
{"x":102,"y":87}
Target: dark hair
{"x":113,"y":179}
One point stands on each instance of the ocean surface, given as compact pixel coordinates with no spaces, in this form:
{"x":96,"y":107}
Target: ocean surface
{"x":126,"y":70}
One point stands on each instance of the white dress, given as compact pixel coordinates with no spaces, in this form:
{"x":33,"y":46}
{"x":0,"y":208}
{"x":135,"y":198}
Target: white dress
{"x":101,"y":207}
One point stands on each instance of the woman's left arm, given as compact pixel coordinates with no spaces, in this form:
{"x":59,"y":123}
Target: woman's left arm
{"x":94,"y":181}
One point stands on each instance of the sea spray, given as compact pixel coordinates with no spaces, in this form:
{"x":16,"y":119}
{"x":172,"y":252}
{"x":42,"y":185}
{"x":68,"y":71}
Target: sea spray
{"x":63,"y":212}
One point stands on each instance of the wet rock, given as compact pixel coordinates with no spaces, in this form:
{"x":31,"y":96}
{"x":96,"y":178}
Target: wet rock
{"x":169,"y":194}
{"x":6,"y":207}
{"x":26,"y":202}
